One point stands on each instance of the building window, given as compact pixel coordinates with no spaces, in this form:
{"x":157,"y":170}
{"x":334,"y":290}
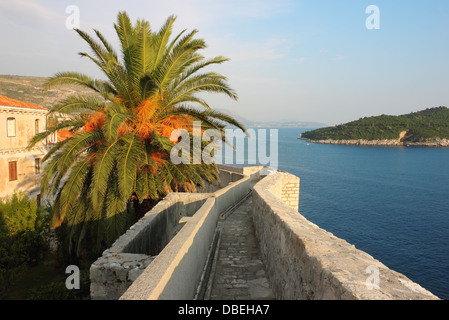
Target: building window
{"x":11,"y":127}
{"x":12,"y":170}
{"x":36,"y":126}
{"x":54,"y":137}
{"x":37,"y":165}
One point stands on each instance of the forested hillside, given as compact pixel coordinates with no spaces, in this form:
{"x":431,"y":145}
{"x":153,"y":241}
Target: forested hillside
{"x":420,"y":126}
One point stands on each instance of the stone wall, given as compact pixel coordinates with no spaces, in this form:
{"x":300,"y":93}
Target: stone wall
{"x":304,"y":261}
{"x":175,"y":274}
{"x":125,"y":260}
{"x":158,"y":239}
{"x":290,"y":191}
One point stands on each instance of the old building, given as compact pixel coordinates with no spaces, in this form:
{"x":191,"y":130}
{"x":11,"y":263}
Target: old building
{"x":20,"y":167}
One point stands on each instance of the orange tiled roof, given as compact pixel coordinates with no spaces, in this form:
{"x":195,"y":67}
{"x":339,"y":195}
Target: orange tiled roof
{"x":64,"y":134}
{"x":9,"y":102}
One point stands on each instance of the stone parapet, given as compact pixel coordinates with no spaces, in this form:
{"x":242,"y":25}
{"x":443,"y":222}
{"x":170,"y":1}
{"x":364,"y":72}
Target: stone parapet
{"x":179,"y":229}
{"x":130,"y":254}
{"x":306,"y":262}
{"x":175,"y":274}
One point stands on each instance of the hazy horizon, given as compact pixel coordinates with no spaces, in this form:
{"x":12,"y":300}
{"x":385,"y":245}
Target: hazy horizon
{"x":310,"y":61}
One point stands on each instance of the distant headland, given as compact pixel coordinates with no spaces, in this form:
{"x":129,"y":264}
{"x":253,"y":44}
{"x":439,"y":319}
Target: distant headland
{"x":429,"y":127}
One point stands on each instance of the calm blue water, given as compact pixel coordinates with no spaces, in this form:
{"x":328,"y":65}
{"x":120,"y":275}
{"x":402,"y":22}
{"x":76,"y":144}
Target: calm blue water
{"x":390,"y":202}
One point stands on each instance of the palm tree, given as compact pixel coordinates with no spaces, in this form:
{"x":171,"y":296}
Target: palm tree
{"x":121,"y":144}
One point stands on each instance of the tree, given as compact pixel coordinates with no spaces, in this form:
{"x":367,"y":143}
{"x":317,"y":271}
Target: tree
{"x":23,"y":237}
{"x":121,"y":143}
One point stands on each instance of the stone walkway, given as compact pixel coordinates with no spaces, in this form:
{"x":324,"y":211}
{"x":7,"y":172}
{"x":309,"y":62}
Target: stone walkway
{"x":239,"y":273}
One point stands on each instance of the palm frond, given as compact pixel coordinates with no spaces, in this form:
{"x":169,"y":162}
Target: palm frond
{"x":71,"y":189}
{"x":128,"y":156}
{"x":181,"y":52}
{"x":103,"y":57}
{"x":104,"y":166}
{"x":202,"y":83}
{"x":125,"y":33}
{"x":194,"y":69}
{"x":161,"y":38}
{"x":104,"y":88}
{"x":75,"y":147}
{"x":72,"y":124}
{"x":116,"y":218}
{"x":144,"y":52}
{"x":78,"y":104}
{"x":145,"y":184}
{"x":117,"y":115}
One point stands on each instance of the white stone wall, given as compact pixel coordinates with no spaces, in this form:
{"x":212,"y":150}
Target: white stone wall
{"x":121,"y":264}
{"x":176,"y":272}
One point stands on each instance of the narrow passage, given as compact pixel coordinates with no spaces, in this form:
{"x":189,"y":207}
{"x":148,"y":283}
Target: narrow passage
{"x":239,"y":273}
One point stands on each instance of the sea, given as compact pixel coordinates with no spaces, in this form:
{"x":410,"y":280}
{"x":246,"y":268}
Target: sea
{"x":391,"y":202}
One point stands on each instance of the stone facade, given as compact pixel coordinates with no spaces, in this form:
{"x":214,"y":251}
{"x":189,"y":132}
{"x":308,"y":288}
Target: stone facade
{"x":20,"y":167}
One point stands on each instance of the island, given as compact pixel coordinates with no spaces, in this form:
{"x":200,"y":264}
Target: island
{"x":429,"y":127}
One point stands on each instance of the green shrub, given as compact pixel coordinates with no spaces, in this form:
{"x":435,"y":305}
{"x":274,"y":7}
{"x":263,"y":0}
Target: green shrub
{"x":23,"y":237}
{"x":20,"y":214}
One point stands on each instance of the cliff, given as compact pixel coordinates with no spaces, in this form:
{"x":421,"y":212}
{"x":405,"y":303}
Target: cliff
{"x":437,"y":142}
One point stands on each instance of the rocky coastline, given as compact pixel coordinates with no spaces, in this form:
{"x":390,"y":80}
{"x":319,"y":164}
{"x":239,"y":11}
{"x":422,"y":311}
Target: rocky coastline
{"x":437,"y":142}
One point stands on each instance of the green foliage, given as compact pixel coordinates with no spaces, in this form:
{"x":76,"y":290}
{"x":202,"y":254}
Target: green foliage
{"x":23,"y":237}
{"x":420,"y":126}
{"x":19,"y":214}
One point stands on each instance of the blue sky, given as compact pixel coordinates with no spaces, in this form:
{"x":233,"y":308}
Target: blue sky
{"x":310,"y":60}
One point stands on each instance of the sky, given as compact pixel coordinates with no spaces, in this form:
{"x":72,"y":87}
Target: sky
{"x":329,"y":61}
